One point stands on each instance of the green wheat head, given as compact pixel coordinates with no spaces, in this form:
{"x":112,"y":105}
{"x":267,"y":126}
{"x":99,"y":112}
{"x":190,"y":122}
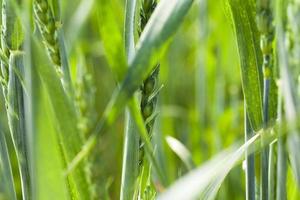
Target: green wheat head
{"x":48,"y":27}
{"x":267,"y":31}
{"x":149,"y":87}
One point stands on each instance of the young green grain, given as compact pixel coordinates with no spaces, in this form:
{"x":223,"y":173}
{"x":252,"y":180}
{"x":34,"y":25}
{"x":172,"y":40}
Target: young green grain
{"x":50,"y":28}
{"x":149,"y":87}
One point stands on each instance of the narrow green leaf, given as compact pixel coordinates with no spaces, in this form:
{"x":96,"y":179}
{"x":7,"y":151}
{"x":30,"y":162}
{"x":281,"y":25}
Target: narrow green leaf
{"x":112,"y":39}
{"x":48,"y":172}
{"x":47,"y":158}
{"x":12,"y":35}
{"x":129,"y":28}
{"x":181,"y":151}
{"x":130,"y":166}
{"x":7,"y":188}
{"x":243,"y":17}
{"x":205,"y":181}
{"x":16,"y":119}
{"x":65,"y":119}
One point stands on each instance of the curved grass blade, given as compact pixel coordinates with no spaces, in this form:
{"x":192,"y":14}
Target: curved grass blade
{"x":181,"y":151}
{"x":64,"y":116}
{"x":205,"y":181}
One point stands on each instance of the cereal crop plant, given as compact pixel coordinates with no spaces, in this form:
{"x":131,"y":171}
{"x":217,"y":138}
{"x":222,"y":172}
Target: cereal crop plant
{"x":149,"y":99}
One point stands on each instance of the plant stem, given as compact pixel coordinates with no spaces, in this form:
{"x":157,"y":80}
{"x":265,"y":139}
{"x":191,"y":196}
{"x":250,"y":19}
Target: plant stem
{"x":250,"y":167}
{"x":272,"y":171}
{"x":266,"y":29}
{"x":281,"y":170}
{"x":130,"y":167}
{"x":281,"y":154}
{"x":7,"y":183}
{"x":148,"y":101}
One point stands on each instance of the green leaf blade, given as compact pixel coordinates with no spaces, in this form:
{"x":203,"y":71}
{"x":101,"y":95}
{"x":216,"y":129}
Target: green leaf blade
{"x":243,"y":16}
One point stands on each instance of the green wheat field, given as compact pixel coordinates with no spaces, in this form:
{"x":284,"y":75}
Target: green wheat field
{"x":150,"y":99}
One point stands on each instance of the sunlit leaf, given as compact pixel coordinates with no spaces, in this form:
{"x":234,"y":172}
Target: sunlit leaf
{"x":182,"y":152}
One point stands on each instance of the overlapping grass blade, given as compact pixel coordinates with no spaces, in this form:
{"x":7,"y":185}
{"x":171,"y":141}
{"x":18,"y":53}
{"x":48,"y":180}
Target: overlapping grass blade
{"x":64,"y":117}
{"x":16,"y":118}
{"x":243,"y":15}
{"x":48,"y":159}
{"x":162,"y":25}
{"x":205,"y":181}
{"x":48,"y":172}
{"x":130,"y":166}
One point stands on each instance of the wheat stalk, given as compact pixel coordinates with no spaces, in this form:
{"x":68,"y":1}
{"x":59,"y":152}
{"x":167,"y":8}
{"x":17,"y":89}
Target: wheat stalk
{"x":149,"y":97}
{"x":149,"y":93}
{"x":13,"y":91}
{"x":266,"y":29}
